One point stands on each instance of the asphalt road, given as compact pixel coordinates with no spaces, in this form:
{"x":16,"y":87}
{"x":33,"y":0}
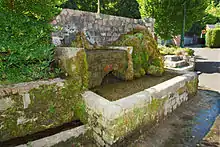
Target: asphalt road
{"x":208,"y":63}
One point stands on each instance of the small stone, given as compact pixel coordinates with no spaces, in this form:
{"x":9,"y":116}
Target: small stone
{"x":26,"y":100}
{"x":172,"y":57}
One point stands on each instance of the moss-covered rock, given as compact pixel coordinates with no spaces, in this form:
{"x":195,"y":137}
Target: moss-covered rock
{"x":47,"y":105}
{"x":50,"y":106}
{"x":145,"y":51}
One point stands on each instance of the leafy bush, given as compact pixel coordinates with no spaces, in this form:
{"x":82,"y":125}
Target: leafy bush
{"x":41,"y":9}
{"x":213,"y":38}
{"x":176,"y":51}
{"x":25,"y":50}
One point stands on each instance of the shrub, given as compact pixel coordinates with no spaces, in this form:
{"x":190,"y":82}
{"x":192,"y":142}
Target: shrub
{"x":213,"y":38}
{"x":25,"y":49}
{"x":176,"y":51}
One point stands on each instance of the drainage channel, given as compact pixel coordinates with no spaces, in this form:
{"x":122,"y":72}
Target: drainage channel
{"x":185,"y":127}
{"x":48,"y":132}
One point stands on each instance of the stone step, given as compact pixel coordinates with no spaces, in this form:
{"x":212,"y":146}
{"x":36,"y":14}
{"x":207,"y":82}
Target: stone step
{"x":172,"y":58}
{"x":175,"y":64}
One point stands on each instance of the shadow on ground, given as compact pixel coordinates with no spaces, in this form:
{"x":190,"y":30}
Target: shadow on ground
{"x":200,"y":58}
{"x":208,"y":67}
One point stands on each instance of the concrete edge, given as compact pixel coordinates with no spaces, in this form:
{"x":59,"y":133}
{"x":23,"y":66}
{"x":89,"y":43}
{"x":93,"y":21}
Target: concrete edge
{"x":57,"y":138}
{"x":180,"y":70}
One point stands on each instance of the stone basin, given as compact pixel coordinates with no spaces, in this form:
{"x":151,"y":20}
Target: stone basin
{"x":111,"y":121}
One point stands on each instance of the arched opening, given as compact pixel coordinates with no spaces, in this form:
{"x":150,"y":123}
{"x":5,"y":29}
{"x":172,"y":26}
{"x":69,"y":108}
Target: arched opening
{"x":110,"y":78}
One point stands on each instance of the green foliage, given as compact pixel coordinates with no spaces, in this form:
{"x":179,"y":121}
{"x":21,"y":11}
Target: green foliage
{"x":209,"y":18}
{"x":214,"y":9}
{"x":213,"y":38}
{"x":39,"y":9}
{"x":217,"y":25}
{"x":123,"y":8}
{"x":51,"y":109}
{"x":169,"y":14}
{"x":189,"y":51}
{"x":145,"y":50}
{"x":25,"y":50}
{"x":175,"y":51}
{"x":198,"y":26}
{"x":167,"y":50}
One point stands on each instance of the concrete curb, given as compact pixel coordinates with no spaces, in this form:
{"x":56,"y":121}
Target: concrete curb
{"x":57,"y":138}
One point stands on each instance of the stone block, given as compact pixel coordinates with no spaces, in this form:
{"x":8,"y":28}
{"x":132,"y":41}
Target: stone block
{"x":26,"y":100}
{"x":175,"y":64}
{"x":172,"y":58}
{"x":133,"y":110}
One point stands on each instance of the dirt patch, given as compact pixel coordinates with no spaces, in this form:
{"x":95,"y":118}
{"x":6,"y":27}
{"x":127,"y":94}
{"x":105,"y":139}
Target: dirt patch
{"x":114,"y":89}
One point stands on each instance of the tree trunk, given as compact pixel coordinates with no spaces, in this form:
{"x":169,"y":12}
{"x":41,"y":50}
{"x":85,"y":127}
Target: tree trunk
{"x":98,"y":11}
{"x":11,"y":4}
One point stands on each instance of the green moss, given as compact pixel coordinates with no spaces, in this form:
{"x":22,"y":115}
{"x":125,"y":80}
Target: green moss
{"x":136,"y":118}
{"x":81,"y":41}
{"x":155,"y":70}
{"x":192,"y":87}
{"x":181,"y":90}
{"x":142,"y":72}
{"x":145,"y":51}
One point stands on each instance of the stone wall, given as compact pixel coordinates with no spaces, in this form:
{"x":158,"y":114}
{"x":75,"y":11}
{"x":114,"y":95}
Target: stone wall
{"x":101,"y":62}
{"x":25,"y":108}
{"x":112,"y":121}
{"x":99,"y":28}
